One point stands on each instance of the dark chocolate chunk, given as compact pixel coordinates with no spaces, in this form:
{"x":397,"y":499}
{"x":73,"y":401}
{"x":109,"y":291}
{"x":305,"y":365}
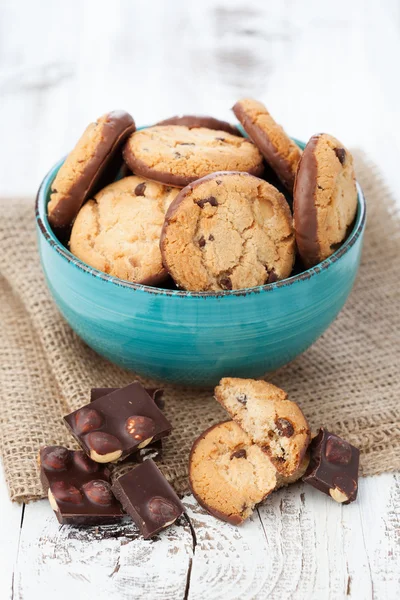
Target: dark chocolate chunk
{"x":78,"y":488}
{"x":272,"y":277}
{"x":130,"y":420}
{"x":148,"y":498}
{"x":341,"y":154}
{"x":155,"y":393}
{"x":202,"y":242}
{"x":239,"y":454}
{"x":211,"y":200}
{"x":284,"y":427}
{"x":211,"y":237}
{"x":140,"y":189}
{"x":333,"y":467}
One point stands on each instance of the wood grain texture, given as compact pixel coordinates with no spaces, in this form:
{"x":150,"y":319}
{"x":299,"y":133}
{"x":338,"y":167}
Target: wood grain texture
{"x":318,"y":67}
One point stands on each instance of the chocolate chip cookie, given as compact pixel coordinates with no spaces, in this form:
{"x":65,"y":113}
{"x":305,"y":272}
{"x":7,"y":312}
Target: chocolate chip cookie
{"x":228,"y":231}
{"x":324,"y":198}
{"x":272,"y":421}
{"x":280,"y":152}
{"x":228,"y":474}
{"x":93,"y":162}
{"x":177,"y":155}
{"x":193,"y":121}
{"x":118,"y":232}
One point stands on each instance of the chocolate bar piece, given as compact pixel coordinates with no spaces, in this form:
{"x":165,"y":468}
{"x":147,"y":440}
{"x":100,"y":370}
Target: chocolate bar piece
{"x":155,"y":393}
{"x":78,"y":488}
{"x":154,"y":449}
{"x":114,"y":426}
{"x":333,"y":467}
{"x":148,"y":498}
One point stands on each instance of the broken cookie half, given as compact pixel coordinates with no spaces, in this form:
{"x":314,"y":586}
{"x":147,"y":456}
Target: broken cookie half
{"x":273,"y":422}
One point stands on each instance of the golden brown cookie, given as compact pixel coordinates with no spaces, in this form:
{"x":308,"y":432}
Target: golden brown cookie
{"x":280,"y":152}
{"x":228,"y":474}
{"x":177,"y":155}
{"x":118,"y":232}
{"x":324,"y":198}
{"x":272,"y":421}
{"x":193,"y":121}
{"x":93,"y":162}
{"x":228,"y":231}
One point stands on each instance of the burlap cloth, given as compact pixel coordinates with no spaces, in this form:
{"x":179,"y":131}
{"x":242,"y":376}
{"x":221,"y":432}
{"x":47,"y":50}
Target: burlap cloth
{"x":348,"y":380}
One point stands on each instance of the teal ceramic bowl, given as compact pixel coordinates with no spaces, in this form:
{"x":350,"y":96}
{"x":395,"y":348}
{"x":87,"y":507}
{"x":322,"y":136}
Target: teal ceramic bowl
{"x":196,"y":338}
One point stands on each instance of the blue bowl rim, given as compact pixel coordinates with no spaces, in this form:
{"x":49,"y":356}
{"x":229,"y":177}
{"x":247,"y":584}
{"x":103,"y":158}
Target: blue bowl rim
{"x":51,"y":239}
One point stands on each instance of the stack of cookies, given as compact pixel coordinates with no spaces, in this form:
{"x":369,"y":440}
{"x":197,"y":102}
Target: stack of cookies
{"x":191,"y":202}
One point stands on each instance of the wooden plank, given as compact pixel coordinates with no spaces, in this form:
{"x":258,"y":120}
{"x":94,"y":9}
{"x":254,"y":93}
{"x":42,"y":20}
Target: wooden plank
{"x":11,"y":516}
{"x":102,"y":563}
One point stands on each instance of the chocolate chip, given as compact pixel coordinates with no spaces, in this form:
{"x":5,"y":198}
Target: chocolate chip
{"x":211,"y":200}
{"x":177,"y":154}
{"x":162,"y":511}
{"x":139,"y":189}
{"x":239,"y":454}
{"x":220,"y":139}
{"x":225,"y":283}
{"x":242,"y":398}
{"x":337,"y":451}
{"x":272,"y":277}
{"x":341,"y":154}
{"x":211,"y":237}
{"x":284,"y":427}
{"x":218,"y":181}
{"x":202,"y":242}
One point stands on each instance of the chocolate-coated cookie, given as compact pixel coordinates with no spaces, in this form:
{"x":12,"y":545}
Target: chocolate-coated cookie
{"x":324,"y":198}
{"x":228,"y":231}
{"x":177,"y":155}
{"x":280,"y":152}
{"x":93,"y":162}
{"x":193,"y":121}
{"x":272,"y":421}
{"x":118,"y":232}
{"x":228,"y":474}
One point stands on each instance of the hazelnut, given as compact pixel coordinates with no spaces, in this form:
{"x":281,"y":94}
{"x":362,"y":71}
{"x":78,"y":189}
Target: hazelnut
{"x":337,"y":451}
{"x":54,"y":458}
{"x":338,"y":495}
{"x":60,"y":491}
{"x":103,"y":447}
{"x":284,"y":427}
{"x":163,"y":511}
{"x":141,"y":429}
{"x":87,"y":419}
{"x":84,"y":463}
{"x":98,"y":492}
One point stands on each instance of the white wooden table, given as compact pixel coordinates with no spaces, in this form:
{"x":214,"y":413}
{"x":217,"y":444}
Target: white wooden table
{"x":319,"y":67}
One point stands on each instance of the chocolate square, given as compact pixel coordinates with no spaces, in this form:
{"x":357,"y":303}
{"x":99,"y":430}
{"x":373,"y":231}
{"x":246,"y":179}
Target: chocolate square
{"x":333,"y":467}
{"x":148,"y":498}
{"x":118,"y":424}
{"x":78,"y":488}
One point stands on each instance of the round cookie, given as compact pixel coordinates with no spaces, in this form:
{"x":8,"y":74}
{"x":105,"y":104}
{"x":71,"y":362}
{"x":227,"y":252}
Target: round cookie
{"x":193,"y":121}
{"x":118,"y":232}
{"x":177,"y":155}
{"x":280,"y":152}
{"x":272,"y":421}
{"x":228,"y":474}
{"x":228,"y":231}
{"x":93,"y":159}
{"x":324,"y":198}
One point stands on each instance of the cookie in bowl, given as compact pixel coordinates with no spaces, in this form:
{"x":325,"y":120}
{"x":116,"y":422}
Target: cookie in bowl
{"x":118,"y":231}
{"x":228,"y":231}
